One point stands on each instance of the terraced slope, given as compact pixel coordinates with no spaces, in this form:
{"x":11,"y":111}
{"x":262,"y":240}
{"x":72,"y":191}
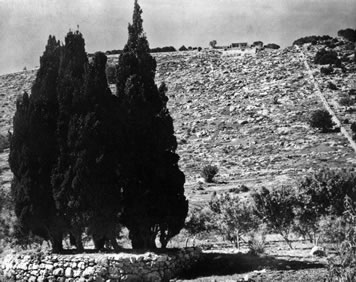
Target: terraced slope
{"x":247,"y":115}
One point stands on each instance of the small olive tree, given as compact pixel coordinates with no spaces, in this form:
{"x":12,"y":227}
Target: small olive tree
{"x":199,"y":222}
{"x":233,"y":217}
{"x":276,"y":209}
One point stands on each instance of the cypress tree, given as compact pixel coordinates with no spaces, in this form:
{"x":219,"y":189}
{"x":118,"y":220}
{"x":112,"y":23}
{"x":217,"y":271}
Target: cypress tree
{"x":33,"y":150}
{"x":94,"y":133}
{"x":67,"y":195}
{"x":153,"y":197}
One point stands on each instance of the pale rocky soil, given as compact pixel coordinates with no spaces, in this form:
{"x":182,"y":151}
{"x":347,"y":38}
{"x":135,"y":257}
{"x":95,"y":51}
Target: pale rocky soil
{"x":247,"y":115}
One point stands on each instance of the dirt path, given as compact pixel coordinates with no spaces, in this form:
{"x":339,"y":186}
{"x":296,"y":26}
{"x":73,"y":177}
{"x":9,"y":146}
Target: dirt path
{"x":325,"y":102}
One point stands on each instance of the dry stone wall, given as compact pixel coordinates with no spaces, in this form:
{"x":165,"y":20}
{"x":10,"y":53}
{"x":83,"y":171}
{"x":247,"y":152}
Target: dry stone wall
{"x":98,"y":267}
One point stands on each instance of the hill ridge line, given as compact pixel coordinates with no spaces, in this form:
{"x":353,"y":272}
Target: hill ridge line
{"x":324,"y":101}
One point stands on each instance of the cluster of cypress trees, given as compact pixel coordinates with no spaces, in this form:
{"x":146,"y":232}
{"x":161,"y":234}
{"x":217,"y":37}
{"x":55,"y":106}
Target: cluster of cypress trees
{"x":85,"y":160}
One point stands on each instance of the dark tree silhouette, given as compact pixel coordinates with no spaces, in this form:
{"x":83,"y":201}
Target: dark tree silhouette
{"x":348,"y":33}
{"x":33,"y":150}
{"x":94,"y":138}
{"x":153,"y":196}
{"x":68,"y":195}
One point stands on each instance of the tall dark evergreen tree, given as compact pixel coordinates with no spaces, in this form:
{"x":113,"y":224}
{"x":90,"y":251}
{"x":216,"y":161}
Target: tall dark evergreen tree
{"x":68,"y":194}
{"x":95,"y":139}
{"x":33,"y":150}
{"x":153,"y":196}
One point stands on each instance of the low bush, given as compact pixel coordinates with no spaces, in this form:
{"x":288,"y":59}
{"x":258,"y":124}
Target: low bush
{"x":324,"y":57}
{"x":257,"y":242}
{"x":321,"y":119}
{"x":313,"y":39}
{"x":343,"y":266}
{"x":209,"y":172}
{"x":199,"y":222}
{"x":353,"y":127}
{"x":241,"y":189}
{"x":348,"y":34}
{"x":327,"y":70}
{"x":272,"y":46}
{"x":163,"y":49}
{"x":4,"y":142}
{"x":183,"y":48}
{"x":332,"y":86}
{"x":346,"y":101}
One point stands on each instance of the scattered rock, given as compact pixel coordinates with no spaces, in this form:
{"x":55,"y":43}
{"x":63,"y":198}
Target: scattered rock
{"x":318,"y":251}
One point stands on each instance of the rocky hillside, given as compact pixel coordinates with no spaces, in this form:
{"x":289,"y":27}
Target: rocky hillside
{"x":245,"y":114}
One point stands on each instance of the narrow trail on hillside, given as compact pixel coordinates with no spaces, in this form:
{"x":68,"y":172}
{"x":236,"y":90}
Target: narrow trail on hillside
{"x":325,"y":102}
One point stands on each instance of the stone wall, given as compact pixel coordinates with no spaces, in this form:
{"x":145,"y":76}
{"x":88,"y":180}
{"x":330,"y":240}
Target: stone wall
{"x":148,"y":266}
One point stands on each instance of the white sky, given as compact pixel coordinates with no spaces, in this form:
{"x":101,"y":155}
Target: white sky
{"x":26,"y":24}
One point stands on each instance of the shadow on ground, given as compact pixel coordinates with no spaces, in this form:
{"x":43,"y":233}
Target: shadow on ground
{"x":219,"y":264}
{"x":122,"y":250}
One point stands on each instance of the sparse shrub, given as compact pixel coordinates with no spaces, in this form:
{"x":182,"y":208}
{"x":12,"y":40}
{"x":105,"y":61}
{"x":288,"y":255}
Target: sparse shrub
{"x":276,"y":210}
{"x":183,"y":48}
{"x":343,"y":266}
{"x":163,"y":49}
{"x":4,"y":142}
{"x":324,"y":57}
{"x":327,"y":70}
{"x":321,"y":119}
{"x":346,"y":101}
{"x":199,"y":222}
{"x":209,"y":172}
{"x":272,"y":46}
{"x":353,"y":127}
{"x":256,"y":242}
{"x":332,"y":86}
{"x":233,"y":217}
{"x":352,"y":92}
{"x":6,"y":219}
{"x":213,"y":43}
{"x":242,"y":188}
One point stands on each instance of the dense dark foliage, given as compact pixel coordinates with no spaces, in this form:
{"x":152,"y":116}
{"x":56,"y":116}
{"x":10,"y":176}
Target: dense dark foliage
{"x":321,"y":194}
{"x":163,"y":49}
{"x":321,"y":119}
{"x":67,"y":149}
{"x":313,"y":39}
{"x":324,"y":57}
{"x":209,"y":172}
{"x":327,"y":70}
{"x":153,"y":50}
{"x":85,"y":160}
{"x":348,"y":33}
{"x":183,"y":48}
{"x":34,"y":150}
{"x":153,"y":197}
{"x":272,"y":46}
{"x":257,"y":43}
